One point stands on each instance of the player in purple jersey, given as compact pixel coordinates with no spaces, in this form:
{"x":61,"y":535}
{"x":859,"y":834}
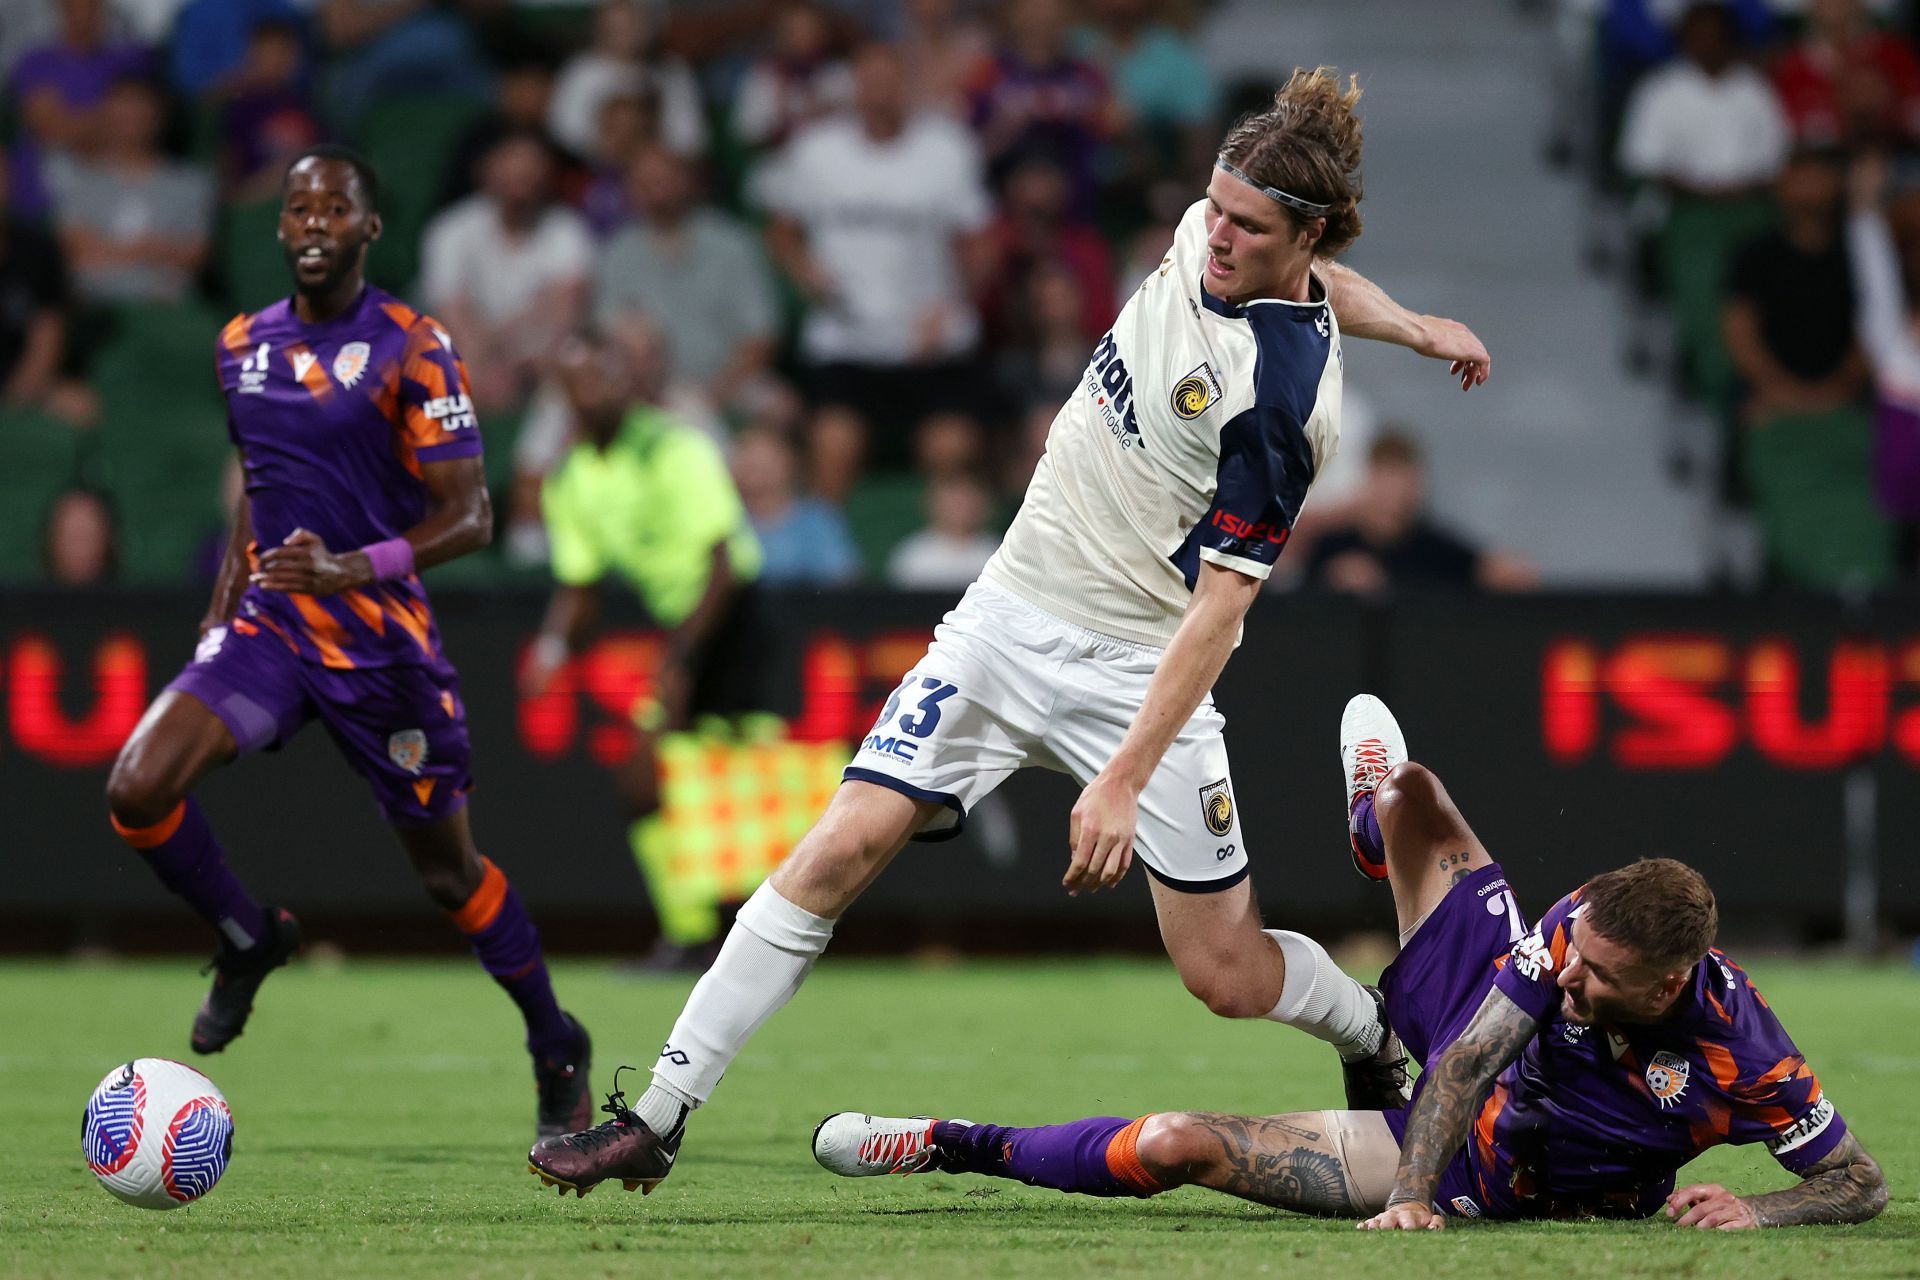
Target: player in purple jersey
{"x":362,"y":457}
{"x":1572,"y":1069}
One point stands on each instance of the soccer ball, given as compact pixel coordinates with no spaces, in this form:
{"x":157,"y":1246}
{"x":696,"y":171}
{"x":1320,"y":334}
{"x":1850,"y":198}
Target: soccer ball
{"x":157,"y":1133}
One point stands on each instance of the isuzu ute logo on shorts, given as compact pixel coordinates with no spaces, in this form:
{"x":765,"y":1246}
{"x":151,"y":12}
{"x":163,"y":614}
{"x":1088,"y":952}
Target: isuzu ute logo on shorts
{"x":1667,"y":1077}
{"x":1216,"y":803}
{"x":408,"y":750}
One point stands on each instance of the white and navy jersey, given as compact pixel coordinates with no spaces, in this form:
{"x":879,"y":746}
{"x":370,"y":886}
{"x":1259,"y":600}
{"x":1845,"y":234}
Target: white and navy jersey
{"x":1194,"y":435}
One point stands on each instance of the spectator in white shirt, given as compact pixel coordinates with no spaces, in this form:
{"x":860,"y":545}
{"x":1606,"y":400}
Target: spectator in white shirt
{"x":1705,"y":124}
{"x":877,"y":218}
{"x":621,"y":62}
{"x":955,"y":546}
{"x":506,"y":270}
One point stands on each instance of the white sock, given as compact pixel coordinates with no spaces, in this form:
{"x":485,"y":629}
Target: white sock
{"x":1322,"y":1001}
{"x":766,"y":957}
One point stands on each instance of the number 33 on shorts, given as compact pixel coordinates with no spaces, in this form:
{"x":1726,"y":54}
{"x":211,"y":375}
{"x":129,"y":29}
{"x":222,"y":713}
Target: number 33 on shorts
{"x":896,"y":739}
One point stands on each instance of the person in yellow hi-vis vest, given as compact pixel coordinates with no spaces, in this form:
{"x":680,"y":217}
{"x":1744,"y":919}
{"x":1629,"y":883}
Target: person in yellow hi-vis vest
{"x":647,"y":497}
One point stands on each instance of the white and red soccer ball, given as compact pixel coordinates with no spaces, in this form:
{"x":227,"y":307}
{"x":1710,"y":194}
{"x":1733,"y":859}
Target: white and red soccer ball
{"x":157,"y":1133}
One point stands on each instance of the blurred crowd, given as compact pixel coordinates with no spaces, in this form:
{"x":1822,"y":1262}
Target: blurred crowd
{"x":1763,"y":155}
{"x":865,"y":245}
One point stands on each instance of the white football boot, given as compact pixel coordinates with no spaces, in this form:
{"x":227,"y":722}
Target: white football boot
{"x":861,"y":1146}
{"x":1371,"y":744}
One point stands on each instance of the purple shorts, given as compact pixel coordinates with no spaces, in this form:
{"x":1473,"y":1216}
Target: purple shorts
{"x":402,"y":728}
{"x":1435,"y":986}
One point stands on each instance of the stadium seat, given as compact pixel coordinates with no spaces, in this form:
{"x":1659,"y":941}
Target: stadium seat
{"x":1697,"y":244}
{"x":1811,"y":476}
{"x":162,"y":437}
{"x":408,"y":141}
{"x":251,"y":260}
{"x":40,"y":458}
{"x":881,"y":511}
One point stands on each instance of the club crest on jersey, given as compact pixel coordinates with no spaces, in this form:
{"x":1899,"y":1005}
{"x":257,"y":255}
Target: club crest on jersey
{"x":1667,"y":1076}
{"x":1111,"y":387}
{"x":351,"y":363}
{"x":408,"y":750}
{"x":1193,"y":393}
{"x":1216,"y":805}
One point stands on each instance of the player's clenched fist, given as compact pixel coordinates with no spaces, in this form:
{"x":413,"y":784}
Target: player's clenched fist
{"x":303,"y":564}
{"x":1408,"y":1215}
{"x":1101,"y":835}
{"x":1710,"y":1206}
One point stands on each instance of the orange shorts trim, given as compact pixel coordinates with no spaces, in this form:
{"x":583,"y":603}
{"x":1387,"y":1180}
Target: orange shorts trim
{"x":1123,"y":1160}
{"x":483,"y":908}
{"x":157,"y":834}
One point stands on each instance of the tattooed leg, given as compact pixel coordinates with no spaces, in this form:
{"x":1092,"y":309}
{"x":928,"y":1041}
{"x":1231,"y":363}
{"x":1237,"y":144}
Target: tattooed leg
{"x":1326,"y":1163}
{"x":1430,"y":848}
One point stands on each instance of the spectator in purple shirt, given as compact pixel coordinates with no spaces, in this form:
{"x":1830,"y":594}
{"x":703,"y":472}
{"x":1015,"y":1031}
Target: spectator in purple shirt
{"x":58,"y":89}
{"x":1033,"y":98}
{"x":269,"y":119}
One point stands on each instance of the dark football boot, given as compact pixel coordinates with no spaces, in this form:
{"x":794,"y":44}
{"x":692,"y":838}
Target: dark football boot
{"x":237,"y":976}
{"x":1378,"y":1082}
{"x":622,"y":1148}
{"x":566,"y":1101}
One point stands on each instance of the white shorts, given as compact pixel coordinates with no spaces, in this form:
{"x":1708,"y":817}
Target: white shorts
{"x":1006,"y":685}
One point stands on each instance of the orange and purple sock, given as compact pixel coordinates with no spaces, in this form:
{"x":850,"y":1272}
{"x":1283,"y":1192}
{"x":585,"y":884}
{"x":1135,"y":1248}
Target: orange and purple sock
{"x":508,"y":947}
{"x":1097,"y":1156}
{"x":183,"y":852}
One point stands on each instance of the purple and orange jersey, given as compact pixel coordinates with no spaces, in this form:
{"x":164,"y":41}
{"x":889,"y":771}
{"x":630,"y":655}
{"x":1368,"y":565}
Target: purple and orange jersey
{"x":1597,"y":1120}
{"x":333,"y":422}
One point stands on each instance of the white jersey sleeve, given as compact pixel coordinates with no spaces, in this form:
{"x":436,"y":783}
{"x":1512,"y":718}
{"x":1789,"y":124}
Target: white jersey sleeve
{"x":1194,"y":435}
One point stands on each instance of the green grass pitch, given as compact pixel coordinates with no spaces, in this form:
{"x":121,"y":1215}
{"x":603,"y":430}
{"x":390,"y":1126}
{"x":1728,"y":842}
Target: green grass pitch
{"x":383,"y":1111}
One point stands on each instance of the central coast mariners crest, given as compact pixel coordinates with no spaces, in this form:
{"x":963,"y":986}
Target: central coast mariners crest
{"x":1667,"y":1077}
{"x":1216,"y":805}
{"x":1193,"y":393}
{"x":408,"y":750}
{"x":351,"y":363}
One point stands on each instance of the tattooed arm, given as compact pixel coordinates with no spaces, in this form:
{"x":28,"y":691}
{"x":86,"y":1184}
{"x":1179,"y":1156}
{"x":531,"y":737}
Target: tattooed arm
{"x":1444,"y":1114}
{"x":1847,"y":1186}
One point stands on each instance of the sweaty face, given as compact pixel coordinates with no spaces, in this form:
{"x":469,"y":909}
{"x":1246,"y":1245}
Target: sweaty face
{"x":1603,"y":981}
{"x":1252,"y":247}
{"x":326,"y":223}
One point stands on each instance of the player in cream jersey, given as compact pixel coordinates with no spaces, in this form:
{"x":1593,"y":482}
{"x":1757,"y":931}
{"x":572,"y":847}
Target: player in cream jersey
{"x":1194,"y":435}
{"x":1171,"y":481}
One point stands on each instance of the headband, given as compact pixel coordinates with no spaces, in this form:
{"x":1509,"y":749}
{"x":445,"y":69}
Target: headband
{"x":1307,"y":207}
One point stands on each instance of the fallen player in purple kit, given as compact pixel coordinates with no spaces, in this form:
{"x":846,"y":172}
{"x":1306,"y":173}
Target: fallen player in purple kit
{"x":1572,"y":1070}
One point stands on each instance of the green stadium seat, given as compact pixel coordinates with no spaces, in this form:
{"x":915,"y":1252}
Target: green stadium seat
{"x":40,"y":458}
{"x":162,"y":436}
{"x":881,"y":512}
{"x":1811,"y":476}
{"x":252,"y":262}
{"x":408,"y":141}
{"x":1697,"y":244}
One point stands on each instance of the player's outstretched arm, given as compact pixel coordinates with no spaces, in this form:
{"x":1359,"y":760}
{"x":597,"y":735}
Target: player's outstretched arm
{"x":1365,"y":311}
{"x":1847,"y":1186}
{"x":1444,"y":1114}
